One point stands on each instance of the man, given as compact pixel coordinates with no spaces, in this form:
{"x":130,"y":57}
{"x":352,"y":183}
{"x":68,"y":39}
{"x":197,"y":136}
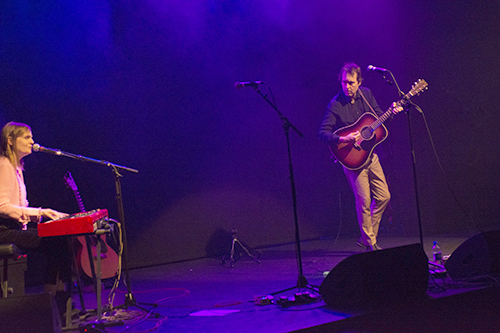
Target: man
{"x":368,"y":183}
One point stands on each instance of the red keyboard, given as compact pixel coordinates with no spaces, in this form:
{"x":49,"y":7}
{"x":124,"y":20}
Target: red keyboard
{"x":75,"y":224}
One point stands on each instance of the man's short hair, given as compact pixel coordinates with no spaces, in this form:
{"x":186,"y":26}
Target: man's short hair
{"x":351,"y":68}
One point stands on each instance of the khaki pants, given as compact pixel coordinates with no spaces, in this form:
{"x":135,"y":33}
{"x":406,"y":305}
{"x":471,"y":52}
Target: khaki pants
{"x":371,"y":195}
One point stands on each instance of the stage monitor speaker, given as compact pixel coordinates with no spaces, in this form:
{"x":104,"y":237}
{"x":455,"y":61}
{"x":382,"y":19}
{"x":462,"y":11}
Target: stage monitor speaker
{"x":378,"y":277}
{"x":477,"y":256}
{"x":31,"y":313}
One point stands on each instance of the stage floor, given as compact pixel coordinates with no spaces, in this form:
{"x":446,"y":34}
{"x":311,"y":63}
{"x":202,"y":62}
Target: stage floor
{"x":204,"y":295}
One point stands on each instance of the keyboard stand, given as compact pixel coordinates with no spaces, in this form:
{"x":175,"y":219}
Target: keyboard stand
{"x":96,"y":278}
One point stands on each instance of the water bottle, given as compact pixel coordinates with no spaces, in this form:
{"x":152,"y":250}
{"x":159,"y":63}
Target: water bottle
{"x":436,"y":251}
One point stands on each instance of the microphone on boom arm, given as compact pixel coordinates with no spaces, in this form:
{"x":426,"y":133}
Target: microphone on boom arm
{"x":253,"y":84}
{"x":42,"y":149}
{"x":377,"y":69}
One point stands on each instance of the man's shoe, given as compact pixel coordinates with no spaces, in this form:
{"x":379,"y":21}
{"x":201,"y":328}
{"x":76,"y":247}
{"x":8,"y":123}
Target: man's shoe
{"x":358,"y":243}
{"x":366,"y":247}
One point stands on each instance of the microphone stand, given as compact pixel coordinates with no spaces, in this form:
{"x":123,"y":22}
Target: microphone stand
{"x":115,"y":168}
{"x":414,"y":168}
{"x":286,"y":124}
{"x":414,"y":163}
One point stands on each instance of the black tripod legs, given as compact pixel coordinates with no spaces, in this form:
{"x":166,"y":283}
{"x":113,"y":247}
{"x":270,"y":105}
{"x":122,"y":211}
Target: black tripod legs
{"x":232,"y":258}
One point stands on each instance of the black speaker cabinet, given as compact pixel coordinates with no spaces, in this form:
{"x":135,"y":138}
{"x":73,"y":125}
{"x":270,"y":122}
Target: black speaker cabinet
{"x":32,"y":313}
{"x":378,"y":277}
{"x":477,"y":256}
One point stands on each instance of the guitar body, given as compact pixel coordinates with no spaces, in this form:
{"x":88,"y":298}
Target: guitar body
{"x":355,"y":156}
{"x":109,"y":258}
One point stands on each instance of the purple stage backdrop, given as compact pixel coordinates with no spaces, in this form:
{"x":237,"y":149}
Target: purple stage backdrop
{"x":149,"y":84}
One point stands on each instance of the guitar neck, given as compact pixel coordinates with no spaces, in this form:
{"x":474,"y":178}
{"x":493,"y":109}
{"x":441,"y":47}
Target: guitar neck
{"x":70,"y":182}
{"x":79,"y":201}
{"x":388,"y":114}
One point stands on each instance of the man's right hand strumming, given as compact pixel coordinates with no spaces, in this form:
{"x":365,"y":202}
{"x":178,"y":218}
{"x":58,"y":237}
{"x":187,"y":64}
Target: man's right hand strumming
{"x":350,"y":138}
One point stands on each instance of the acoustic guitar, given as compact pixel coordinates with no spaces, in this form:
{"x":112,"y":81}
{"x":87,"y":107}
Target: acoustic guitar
{"x":354,"y":156}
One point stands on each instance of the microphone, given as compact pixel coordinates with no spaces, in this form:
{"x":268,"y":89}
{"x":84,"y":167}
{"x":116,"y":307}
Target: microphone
{"x":254,"y":84}
{"x":377,"y":69}
{"x":42,"y":149}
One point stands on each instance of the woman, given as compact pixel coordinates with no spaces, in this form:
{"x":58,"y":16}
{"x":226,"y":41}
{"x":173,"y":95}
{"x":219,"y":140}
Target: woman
{"x":15,"y":143}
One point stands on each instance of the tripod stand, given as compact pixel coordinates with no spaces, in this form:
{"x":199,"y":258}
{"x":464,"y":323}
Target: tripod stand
{"x":234,"y":242}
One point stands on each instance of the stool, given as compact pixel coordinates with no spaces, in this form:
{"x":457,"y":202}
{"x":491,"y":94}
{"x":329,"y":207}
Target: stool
{"x":7,"y":251}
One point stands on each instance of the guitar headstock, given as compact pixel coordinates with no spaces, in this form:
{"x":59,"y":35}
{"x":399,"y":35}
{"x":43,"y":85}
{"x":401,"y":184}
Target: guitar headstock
{"x":417,"y":88}
{"x":70,"y":182}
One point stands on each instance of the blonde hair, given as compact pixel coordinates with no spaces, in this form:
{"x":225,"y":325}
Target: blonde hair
{"x":11,"y":130}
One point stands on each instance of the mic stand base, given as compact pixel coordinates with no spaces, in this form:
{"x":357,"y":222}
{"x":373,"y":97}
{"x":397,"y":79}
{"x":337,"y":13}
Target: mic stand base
{"x":301,"y":284}
{"x":129,"y":300}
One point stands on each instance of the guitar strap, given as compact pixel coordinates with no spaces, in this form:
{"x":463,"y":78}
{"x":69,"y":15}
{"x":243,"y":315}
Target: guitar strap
{"x":375,"y":113}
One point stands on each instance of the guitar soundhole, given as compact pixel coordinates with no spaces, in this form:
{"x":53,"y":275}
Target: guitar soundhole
{"x":366,"y":133}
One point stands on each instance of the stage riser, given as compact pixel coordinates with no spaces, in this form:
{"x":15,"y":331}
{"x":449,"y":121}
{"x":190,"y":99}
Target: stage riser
{"x":474,"y":311}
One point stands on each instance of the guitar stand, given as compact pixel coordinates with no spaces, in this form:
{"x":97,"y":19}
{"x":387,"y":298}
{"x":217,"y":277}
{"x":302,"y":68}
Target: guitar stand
{"x":235,"y":241}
